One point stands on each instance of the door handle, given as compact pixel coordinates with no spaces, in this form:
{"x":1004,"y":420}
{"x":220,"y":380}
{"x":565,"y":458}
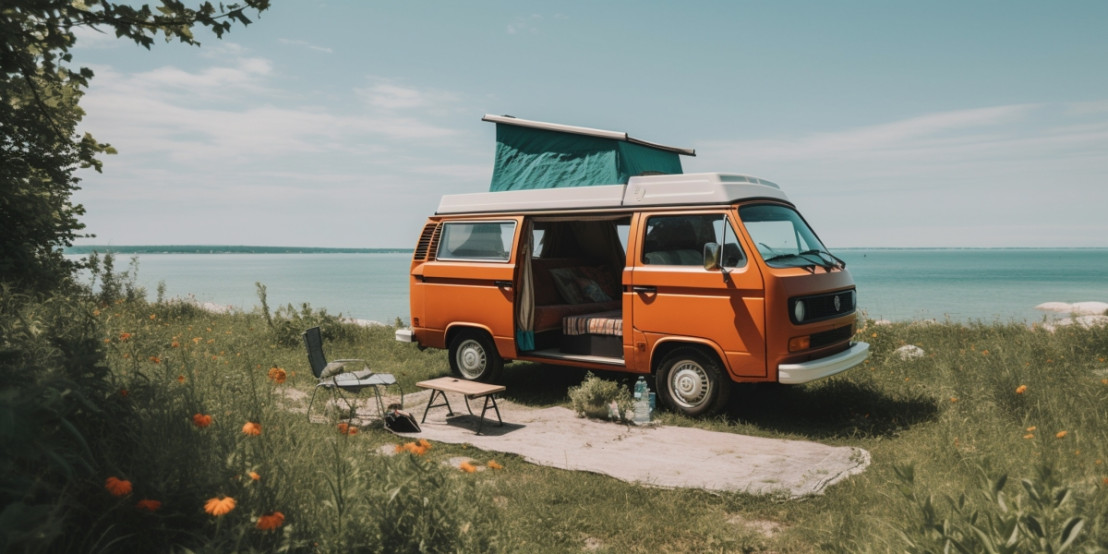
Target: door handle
{"x":503,"y":284}
{"x":644,"y":289}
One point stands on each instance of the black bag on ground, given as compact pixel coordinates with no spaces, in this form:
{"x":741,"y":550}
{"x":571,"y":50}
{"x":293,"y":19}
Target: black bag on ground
{"x":401,"y":422}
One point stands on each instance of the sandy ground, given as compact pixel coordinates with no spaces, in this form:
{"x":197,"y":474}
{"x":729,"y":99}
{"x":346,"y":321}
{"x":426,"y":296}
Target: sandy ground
{"x":651,"y":455}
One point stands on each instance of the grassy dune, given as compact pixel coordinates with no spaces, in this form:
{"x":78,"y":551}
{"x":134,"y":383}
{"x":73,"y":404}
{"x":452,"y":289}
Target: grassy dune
{"x":996,"y":434}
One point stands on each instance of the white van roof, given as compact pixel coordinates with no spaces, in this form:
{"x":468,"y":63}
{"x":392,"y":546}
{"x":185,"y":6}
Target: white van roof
{"x":650,"y":190}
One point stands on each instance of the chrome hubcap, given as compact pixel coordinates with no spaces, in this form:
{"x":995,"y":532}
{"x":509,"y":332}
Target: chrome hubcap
{"x":689,"y":383}
{"x":471,"y":359}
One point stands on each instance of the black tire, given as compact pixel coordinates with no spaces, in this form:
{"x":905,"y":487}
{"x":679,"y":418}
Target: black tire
{"x":474,"y":357}
{"x":692,"y":382}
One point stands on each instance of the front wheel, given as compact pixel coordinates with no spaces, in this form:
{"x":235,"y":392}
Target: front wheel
{"x":692,"y":382}
{"x":474,"y":357}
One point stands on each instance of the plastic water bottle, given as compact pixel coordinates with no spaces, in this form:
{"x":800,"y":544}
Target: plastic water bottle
{"x":642,"y":401}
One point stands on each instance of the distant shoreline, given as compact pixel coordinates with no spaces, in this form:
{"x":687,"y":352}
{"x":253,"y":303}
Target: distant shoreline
{"x":245,"y":249}
{"x":226,"y":249}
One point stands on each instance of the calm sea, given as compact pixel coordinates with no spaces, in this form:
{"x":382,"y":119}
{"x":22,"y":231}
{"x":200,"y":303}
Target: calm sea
{"x":961,"y":285}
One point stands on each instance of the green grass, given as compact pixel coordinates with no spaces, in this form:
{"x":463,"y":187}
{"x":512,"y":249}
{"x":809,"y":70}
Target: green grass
{"x":939,"y":428}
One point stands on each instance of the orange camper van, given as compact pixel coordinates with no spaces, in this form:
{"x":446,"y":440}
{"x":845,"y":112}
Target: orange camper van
{"x":698,"y":280}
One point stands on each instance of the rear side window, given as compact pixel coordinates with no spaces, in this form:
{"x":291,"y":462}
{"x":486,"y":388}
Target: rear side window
{"x":485,"y":241}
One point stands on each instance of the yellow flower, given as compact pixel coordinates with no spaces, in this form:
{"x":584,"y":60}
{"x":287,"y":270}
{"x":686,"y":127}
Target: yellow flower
{"x":148,"y":505}
{"x":1061,"y":434}
{"x":1021,"y":389}
{"x":117,"y":486}
{"x":270,"y":521}
{"x":219,"y":506}
{"x":252,"y":428}
{"x":493,"y":465}
{"x":254,"y":476}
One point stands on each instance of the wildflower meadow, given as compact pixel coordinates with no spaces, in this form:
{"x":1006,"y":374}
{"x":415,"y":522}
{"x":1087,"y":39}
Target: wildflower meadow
{"x":152,"y":425}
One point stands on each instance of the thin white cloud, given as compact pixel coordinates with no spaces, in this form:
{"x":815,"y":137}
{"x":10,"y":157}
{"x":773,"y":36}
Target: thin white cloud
{"x":387,"y":95}
{"x":306,"y":44}
{"x":524,"y":24}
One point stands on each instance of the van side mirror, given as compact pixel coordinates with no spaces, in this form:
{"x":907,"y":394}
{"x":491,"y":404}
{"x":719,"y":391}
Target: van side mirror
{"x":712,"y":252}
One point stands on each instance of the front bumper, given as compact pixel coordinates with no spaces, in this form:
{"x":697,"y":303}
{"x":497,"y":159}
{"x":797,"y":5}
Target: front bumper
{"x":793,"y":374}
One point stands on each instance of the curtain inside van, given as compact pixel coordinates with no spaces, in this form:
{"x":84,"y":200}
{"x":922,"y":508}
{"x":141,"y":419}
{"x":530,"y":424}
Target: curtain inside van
{"x":525,"y":297}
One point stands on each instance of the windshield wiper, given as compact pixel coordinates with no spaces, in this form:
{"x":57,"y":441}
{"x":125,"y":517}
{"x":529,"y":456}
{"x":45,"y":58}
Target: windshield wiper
{"x":837,"y":262}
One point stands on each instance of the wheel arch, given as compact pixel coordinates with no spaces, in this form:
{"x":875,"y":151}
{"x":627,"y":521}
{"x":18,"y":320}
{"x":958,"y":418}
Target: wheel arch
{"x":663,"y":347}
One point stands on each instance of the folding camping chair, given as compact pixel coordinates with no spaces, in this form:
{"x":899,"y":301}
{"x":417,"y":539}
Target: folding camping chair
{"x":335,"y":376}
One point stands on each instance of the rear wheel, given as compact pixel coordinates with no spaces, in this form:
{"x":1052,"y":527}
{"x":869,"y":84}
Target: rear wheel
{"x":692,"y":382}
{"x":474,"y":357}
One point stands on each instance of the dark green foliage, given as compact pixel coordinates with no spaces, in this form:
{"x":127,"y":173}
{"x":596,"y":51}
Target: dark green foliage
{"x":56,"y":399}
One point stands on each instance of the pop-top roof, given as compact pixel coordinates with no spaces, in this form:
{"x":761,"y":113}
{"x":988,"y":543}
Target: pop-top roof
{"x":538,"y":155}
{"x":653,"y":190}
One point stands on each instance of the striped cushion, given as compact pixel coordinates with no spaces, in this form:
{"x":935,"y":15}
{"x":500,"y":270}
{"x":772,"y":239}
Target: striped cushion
{"x":604,"y":323}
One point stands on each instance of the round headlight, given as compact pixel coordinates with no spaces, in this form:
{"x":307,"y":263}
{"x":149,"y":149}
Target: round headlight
{"x":799,"y":311}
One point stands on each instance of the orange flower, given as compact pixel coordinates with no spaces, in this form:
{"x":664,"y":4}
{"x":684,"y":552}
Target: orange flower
{"x":1061,"y":434}
{"x":153,"y":316}
{"x":1029,"y":436}
{"x":219,"y":506}
{"x":1021,"y":389}
{"x":175,"y":344}
{"x":493,"y":465}
{"x":254,"y":476}
{"x":347,"y":429}
{"x":123,"y":393}
{"x":196,"y":340}
{"x":155,"y":359}
{"x":117,"y":486}
{"x":467,"y":467}
{"x":180,"y":378}
{"x":271,"y":520}
{"x":414,"y":448}
{"x":149,"y":505}
{"x":201,"y":420}
{"x":1032,"y":428}
{"x":124,"y":336}
{"x":277,"y":375}
{"x":252,"y":428}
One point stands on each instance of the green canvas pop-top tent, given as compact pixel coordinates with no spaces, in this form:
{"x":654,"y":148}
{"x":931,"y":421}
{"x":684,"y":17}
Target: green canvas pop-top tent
{"x":537,"y":155}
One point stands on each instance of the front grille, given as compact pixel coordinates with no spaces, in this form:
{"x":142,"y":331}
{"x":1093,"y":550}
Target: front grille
{"x":833,"y":336}
{"x":819,"y":307}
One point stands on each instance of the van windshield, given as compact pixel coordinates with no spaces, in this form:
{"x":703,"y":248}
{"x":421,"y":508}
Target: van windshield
{"x":783,"y":238}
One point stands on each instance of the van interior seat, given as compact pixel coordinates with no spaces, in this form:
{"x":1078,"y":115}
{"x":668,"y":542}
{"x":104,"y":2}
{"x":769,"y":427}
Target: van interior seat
{"x":571,"y":286}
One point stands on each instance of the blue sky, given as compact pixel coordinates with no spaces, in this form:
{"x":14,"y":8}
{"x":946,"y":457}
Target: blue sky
{"x":341,"y":123}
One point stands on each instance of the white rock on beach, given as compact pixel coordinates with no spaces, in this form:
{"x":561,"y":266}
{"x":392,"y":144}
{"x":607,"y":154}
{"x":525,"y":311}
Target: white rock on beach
{"x":1075,"y":308}
{"x":909,"y":352}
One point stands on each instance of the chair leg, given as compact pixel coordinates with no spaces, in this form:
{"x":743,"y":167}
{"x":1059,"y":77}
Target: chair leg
{"x":309,"y":412}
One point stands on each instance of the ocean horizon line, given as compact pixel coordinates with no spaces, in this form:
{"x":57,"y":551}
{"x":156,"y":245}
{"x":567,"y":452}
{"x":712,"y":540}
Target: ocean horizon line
{"x":257,"y":249}
{"x":224,"y":249}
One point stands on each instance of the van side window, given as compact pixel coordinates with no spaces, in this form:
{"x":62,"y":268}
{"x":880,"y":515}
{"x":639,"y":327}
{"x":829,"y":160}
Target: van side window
{"x":487,"y":241}
{"x":680,"y":240}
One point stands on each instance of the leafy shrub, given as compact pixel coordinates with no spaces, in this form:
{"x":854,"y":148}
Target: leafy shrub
{"x":287,"y":324}
{"x":594,"y":395}
{"x":57,"y":397}
{"x":1045,"y":516}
